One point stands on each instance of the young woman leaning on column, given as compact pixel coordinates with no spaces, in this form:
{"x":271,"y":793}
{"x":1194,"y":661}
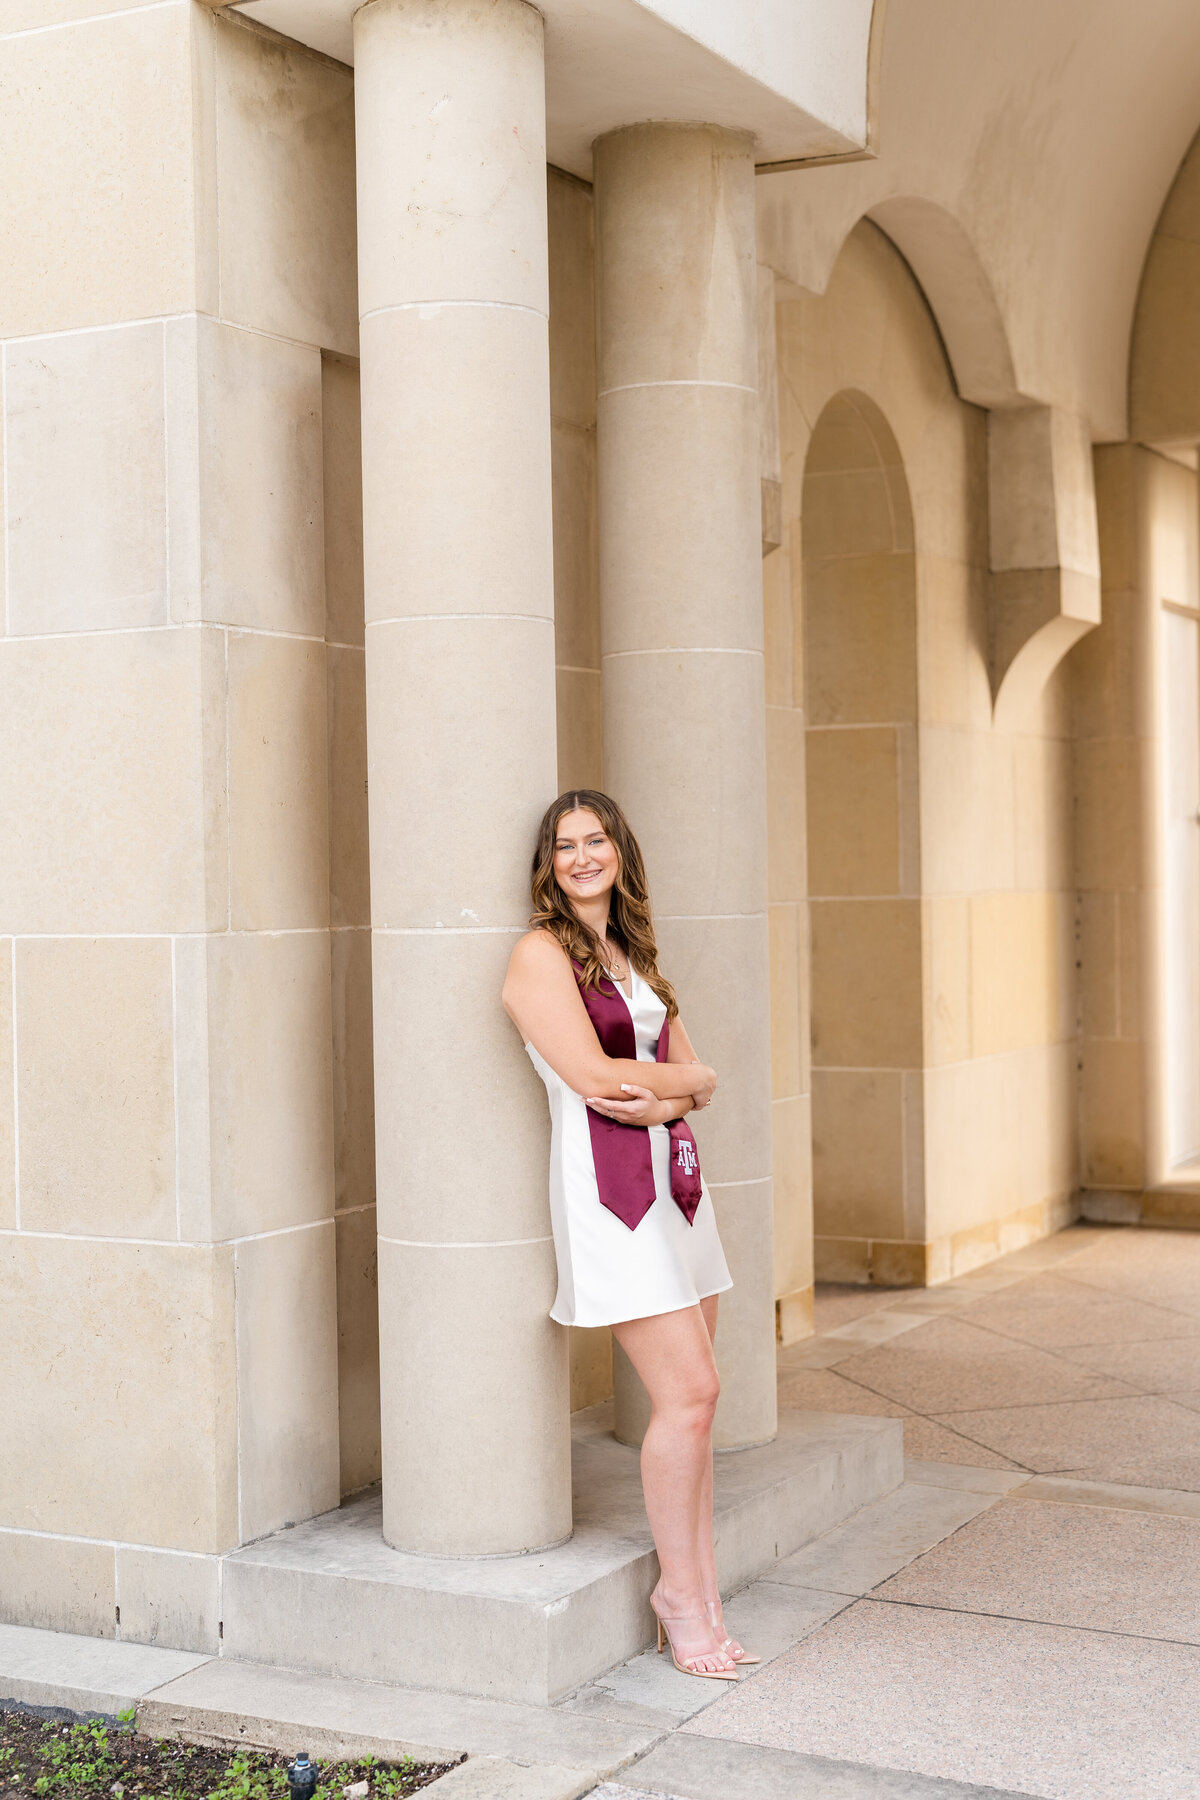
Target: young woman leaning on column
{"x":634,"y":1228}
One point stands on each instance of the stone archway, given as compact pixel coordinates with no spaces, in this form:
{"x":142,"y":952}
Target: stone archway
{"x":860,"y":682}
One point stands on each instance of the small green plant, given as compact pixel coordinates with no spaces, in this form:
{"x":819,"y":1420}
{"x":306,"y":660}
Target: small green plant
{"x":96,"y":1759}
{"x":77,"y":1757}
{"x":247,"y":1778}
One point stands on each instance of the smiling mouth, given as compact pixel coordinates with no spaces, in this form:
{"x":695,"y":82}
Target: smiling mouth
{"x":587,"y":875}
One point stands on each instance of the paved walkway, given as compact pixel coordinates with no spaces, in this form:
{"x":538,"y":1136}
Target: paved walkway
{"x":1023,"y":1616}
{"x":1020,"y":1618}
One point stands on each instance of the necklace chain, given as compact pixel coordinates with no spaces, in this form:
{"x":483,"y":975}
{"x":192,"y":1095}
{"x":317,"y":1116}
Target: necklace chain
{"x":616,"y":974}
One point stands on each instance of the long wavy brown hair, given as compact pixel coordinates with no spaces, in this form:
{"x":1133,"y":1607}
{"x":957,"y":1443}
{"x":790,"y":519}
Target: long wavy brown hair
{"x":630,"y":920}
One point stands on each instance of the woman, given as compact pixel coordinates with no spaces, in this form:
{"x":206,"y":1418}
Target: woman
{"x":634,"y":1228}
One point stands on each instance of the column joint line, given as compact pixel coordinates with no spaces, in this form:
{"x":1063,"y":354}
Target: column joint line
{"x":427,"y":618}
{"x":376,"y":312}
{"x":625,"y":387}
{"x":683,"y":650}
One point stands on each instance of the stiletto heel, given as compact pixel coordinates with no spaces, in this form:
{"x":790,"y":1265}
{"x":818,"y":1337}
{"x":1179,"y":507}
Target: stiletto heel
{"x":685,"y":1667}
{"x":745,"y":1657}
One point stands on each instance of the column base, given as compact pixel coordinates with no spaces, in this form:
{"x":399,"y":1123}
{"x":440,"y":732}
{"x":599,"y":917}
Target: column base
{"x":330,"y":1597}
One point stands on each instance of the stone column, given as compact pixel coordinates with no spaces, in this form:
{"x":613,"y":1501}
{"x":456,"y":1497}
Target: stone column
{"x":461,"y":749}
{"x":682,"y":642}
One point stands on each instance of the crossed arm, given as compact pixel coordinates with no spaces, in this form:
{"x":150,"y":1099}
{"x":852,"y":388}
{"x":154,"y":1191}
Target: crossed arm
{"x":542,"y":998}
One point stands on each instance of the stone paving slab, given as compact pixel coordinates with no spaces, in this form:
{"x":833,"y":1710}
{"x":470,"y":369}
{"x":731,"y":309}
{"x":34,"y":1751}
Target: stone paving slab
{"x":83,"y":1674}
{"x":817,"y":1353}
{"x":925,"y":1439}
{"x":602,"y":1703}
{"x":491,"y":1778}
{"x":770,"y":1617}
{"x":982,"y":1480}
{"x":828,"y":1390}
{"x":953,"y":1365}
{"x":1054,"y":1312}
{"x":1033,"y":1709}
{"x":877,"y":1328}
{"x":1160,"y":1367}
{"x":1148,"y":1441}
{"x":881,"y":1539}
{"x":1174,"y":1501}
{"x":1106,"y":1570}
{"x":698,"y":1768}
{"x":837,"y":1302}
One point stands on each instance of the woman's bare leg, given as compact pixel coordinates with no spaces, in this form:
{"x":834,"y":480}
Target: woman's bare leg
{"x":705,"y":1550}
{"x":706,"y":1554}
{"x":672,"y":1353}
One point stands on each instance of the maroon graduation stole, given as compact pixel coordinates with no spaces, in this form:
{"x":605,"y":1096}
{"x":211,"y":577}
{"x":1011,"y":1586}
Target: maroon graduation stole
{"x":621,"y":1153}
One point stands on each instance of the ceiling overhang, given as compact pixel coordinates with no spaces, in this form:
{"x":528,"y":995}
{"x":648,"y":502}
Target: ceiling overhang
{"x":792,"y":72}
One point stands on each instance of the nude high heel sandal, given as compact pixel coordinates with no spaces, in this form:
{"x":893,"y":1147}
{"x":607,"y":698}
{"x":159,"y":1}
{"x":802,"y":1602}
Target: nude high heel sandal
{"x":745,"y":1657}
{"x":685,"y":1667}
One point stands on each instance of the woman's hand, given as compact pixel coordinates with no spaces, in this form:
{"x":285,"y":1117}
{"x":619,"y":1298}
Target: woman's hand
{"x":639,"y":1108}
{"x":702,"y":1081}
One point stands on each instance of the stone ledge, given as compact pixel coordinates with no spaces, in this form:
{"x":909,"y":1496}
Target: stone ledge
{"x":330,"y":1597}
{"x":60,"y":1670}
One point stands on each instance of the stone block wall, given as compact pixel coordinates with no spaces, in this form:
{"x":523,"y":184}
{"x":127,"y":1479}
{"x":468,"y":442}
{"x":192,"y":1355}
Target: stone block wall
{"x":943,"y":1092}
{"x":186,"y":1194}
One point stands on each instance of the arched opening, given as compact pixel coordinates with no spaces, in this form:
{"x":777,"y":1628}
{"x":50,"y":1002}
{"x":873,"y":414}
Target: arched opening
{"x":860,"y":685}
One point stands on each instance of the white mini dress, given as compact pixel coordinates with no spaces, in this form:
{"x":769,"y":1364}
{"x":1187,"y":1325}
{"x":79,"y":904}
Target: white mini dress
{"x":606,"y":1272}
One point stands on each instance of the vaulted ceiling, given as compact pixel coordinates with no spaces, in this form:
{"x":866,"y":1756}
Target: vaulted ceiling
{"x":1025,"y":149}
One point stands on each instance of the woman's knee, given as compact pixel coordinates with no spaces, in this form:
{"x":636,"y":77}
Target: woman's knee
{"x":699,"y":1403}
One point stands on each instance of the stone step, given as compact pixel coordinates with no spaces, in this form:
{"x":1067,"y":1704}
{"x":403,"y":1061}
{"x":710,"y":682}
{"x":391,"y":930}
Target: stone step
{"x":330,"y":1597}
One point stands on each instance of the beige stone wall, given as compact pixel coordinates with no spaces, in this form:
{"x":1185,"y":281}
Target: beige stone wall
{"x":787,"y":882}
{"x":1149,"y":551}
{"x":172,"y":725}
{"x":860,"y":635}
{"x":791,"y":1061}
{"x":959,"y":1141}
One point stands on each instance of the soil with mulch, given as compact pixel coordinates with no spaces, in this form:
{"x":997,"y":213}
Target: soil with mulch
{"x":96,"y":1757}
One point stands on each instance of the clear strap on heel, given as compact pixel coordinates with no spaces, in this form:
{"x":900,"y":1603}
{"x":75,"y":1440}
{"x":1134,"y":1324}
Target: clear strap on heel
{"x":739,"y":1655}
{"x":665,"y":1641}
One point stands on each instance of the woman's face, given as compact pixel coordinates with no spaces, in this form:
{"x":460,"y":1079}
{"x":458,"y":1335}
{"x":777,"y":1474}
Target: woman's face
{"x":585,"y":857}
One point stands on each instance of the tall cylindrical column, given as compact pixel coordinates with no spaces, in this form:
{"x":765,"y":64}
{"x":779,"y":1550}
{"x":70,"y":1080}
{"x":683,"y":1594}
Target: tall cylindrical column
{"x":682,"y":644}
{"x":453,"y":298}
